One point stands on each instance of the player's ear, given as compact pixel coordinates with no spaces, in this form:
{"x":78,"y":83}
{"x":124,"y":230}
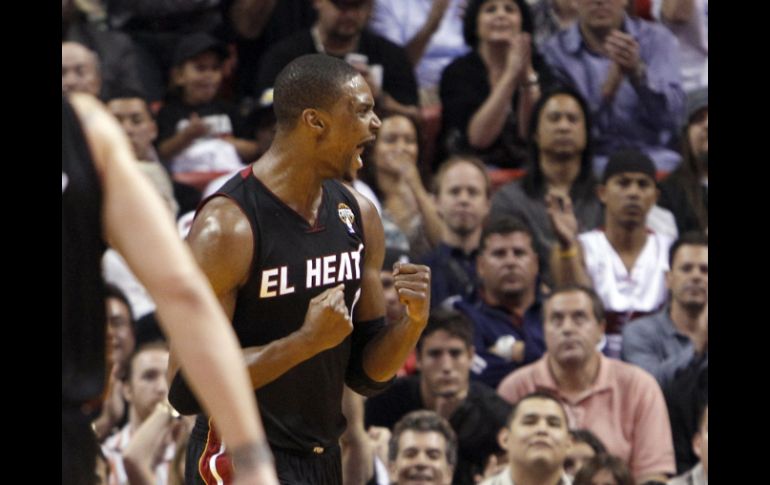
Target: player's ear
{"x":314,"y":119}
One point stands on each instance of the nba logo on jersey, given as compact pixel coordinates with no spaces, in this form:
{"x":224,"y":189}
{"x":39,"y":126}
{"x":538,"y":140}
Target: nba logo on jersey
{"x":346,"y":216}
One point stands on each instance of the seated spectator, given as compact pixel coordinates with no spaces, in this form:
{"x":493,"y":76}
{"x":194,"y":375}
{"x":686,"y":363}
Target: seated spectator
{"x":145,"y":387}
{"x":506,"y":311}
{"x":559,"y":160}
{"x":669,"y":340}
{"x":392,"y":170}
{"x":536,"y":439}
{"x":79,"y":70}
{"x":487,"y":95}
{"x":423,"y":449}
{"x":604,"y":469}
{"x":118,"y":68}
{"x":198,"y":132}
{"x":625,"y":261}
{"x":686,"y":191}
{"x":475,"y":412}
{"x":619,"y":402}
{"x":627,"y":69}
{"x":462,"y":200}
{"x":121,"y":342}
{"x":340,"y":31}
{"x":135,"y":117}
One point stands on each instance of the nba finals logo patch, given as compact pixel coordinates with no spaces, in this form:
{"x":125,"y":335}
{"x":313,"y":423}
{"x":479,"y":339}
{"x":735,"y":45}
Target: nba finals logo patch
{"x":346,"y":216}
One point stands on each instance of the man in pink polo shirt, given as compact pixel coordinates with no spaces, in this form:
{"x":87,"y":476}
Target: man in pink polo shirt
{"x":622,"y":404}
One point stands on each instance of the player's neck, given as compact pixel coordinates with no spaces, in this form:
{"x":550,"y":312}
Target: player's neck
{"x":298,"y":186}
{"x":626,"y":239}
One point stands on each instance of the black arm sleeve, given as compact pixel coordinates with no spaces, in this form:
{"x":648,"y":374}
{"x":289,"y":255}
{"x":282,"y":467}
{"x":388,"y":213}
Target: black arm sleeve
{"x":182,"y":398}
{"x":355,"y":376}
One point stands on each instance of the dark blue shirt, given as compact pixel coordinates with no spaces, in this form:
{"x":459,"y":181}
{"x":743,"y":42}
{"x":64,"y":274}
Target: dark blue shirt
{"x":492,"y":322}
{"x":453,"y":273}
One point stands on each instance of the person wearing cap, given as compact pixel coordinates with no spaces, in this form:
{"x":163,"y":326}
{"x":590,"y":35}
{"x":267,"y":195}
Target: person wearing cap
{"x":196,"y":131}
{"x":686,"y":191}
{"x":628,"y":70}
{"x":340,"y":31}
{"x":475,"y":412}
{"x":624,"y":261}
{"x":620,"y":403}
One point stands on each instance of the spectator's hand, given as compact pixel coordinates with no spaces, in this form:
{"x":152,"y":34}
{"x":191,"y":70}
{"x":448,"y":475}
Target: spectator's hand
{"x":519,"y":57}
{"x":411,"y":175}
{"x":113,"y":408}
{"x":327,"y":321}
{"x":623,"y":49}
{"x":380,"y":437}
{"x":196,"y":128}
{"x":397,"y":164}
{"x":147,"y":446}
{"x":436,"y":13}
{"x":562,"y":217}
{"x":412,"y":283}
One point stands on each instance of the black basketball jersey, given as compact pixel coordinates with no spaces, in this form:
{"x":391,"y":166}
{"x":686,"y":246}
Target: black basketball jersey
{"x":293,"y":262}
{"x":83,"y":316}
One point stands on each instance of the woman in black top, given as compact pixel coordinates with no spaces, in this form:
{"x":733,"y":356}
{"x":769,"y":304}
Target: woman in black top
{"x":487,"y":95}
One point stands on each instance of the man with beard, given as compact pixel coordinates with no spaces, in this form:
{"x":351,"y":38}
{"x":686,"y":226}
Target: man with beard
{"x":559,"y":161}
{"x":422,"y":449}
{"x":669,"y":340}
{"x":508,"y":331}
{"x":624,"y":261}
{"x":462,"y":199}
{"x":619,"y":402}
{"x":340,"y":32}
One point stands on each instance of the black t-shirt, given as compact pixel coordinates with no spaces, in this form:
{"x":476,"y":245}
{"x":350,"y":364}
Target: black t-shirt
{"x":83,"y":315}
{"x":463,"y":89}
{"x":398,"y":75}
{"x":476,"y":421}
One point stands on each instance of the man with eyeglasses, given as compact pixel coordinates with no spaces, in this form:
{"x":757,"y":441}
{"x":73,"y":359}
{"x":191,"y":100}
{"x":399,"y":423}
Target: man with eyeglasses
{"x":475,"y":412}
